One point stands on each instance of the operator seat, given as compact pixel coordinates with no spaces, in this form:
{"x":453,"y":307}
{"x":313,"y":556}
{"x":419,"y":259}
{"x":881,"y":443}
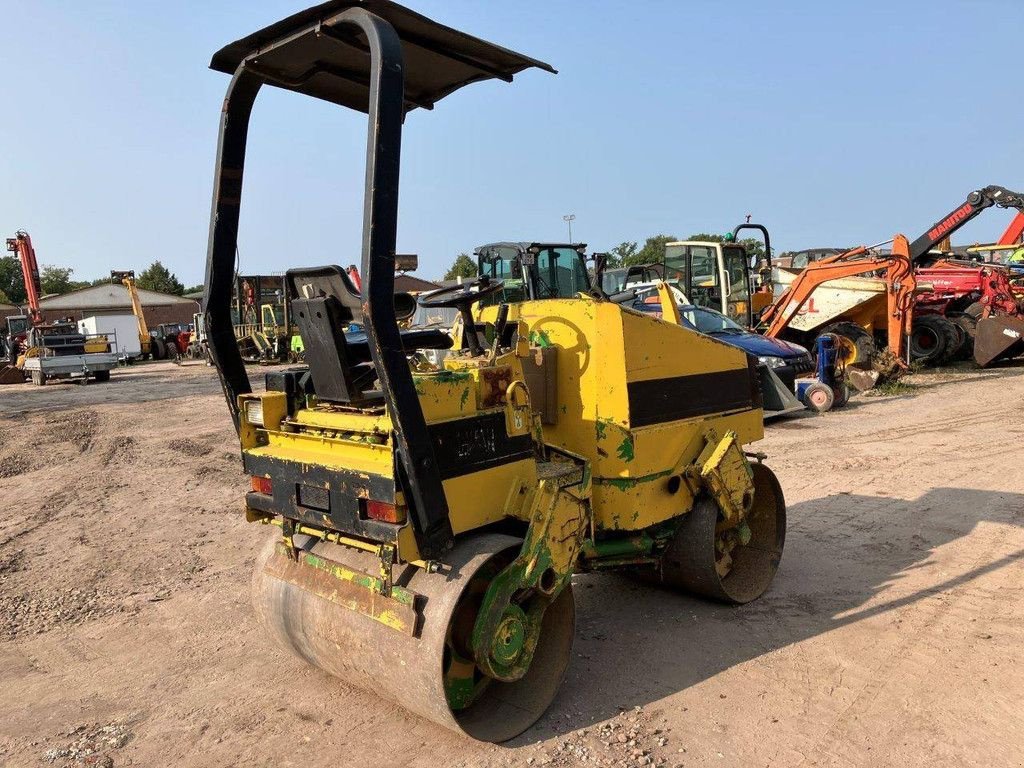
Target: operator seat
{"x":324,"y":301}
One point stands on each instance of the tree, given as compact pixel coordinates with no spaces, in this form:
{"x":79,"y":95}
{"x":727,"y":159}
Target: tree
{"x":463,"y":266}
{"x":157,"y":277}
{"x":11,"y":283}
{"x":53,"y":279}
{"x":196,"y":289}
{"x":652,"y":252}
{"x":753,"y":246}
{"x":621,"y":254}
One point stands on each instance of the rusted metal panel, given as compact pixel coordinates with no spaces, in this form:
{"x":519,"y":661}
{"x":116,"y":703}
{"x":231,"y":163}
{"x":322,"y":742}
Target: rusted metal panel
{"x":998,"y":338}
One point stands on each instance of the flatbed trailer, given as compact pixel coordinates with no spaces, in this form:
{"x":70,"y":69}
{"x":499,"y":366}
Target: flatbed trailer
{"x":68,"y":360}
{"x":93,"y":365}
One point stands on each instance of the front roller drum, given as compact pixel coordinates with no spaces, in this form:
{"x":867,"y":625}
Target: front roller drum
{"x":429,"y":671}
{"x":734,"y":564}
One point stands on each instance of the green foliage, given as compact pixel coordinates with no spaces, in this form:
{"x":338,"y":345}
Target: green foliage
{"x":11,"y":283}
{"x":53,"y":279}
{"x":652,"y":252}
{"x":463,"y":266}
{"x":897,"y":387}
{"x":621,"y":253}
{"x":157,"y":277}
{"x":4,"y":299}
{"x":195,"y":288}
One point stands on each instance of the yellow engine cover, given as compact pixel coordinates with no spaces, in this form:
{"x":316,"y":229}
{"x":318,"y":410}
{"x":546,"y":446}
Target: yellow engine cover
{"x":637,"y":397}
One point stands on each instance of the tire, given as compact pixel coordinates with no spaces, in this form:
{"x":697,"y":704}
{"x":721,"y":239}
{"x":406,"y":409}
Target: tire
{"x":928,"y":339}
{"x":159,"y":349}
{"x":954,"y":338}
{"x":101,"y":376}
{"x":969,"y":325}
{"x":975,"y":310}
{"x":964,"y":343}
{"x":863,"y":343}
{"x":819,"y":397}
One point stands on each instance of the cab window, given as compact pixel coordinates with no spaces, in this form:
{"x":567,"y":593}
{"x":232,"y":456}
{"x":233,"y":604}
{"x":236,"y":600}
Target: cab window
{"x":561,"y":273}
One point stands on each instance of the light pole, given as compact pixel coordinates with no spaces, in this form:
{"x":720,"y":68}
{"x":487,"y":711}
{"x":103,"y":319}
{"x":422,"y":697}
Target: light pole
{"x":569,"y":218}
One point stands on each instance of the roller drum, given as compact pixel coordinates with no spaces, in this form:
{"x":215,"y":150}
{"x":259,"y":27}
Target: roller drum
{"x":407,"y":669}
{"x":694,"y":563}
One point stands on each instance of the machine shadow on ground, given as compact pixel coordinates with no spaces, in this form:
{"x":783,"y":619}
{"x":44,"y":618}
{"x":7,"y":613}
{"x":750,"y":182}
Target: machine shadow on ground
{"x":842,"y":554}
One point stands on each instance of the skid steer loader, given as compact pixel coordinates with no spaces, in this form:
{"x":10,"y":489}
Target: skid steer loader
{"x":427,"y":520}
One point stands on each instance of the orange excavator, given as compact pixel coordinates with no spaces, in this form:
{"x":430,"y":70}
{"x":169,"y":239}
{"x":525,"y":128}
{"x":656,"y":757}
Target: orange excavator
{"x":18,"y":326}
{"x":894,"y":315}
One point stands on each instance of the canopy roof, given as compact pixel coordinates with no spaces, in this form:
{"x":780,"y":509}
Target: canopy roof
{"x":335,"y":65}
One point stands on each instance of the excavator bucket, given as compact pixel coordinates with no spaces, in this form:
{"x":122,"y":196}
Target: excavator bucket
{"x":998,"y":338}
{"x":9,"y":374}
{"x":778,"y":398}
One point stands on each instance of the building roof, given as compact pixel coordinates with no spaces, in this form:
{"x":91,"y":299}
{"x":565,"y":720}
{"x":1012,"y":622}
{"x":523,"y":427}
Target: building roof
{"x":109,"y":296}
{"x":413,"y":284}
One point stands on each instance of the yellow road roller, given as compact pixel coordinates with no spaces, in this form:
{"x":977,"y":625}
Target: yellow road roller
{"x":426,"y":520}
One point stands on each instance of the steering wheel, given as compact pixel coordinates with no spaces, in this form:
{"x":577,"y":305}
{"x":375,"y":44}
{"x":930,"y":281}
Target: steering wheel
{"x":463,"y":293}
{"x":463,"y":297}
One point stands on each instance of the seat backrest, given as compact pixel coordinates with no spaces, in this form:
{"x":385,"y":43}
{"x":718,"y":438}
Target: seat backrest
{"x":324,"y":301}
{"x":310,"y":282}
{"x":315,"y":282}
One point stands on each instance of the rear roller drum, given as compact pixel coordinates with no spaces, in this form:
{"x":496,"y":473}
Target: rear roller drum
{"x":734,"y":564}
{"x":431,"y":673}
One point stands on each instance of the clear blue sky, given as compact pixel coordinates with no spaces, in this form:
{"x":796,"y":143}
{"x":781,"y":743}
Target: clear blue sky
{"x":831,"y":122}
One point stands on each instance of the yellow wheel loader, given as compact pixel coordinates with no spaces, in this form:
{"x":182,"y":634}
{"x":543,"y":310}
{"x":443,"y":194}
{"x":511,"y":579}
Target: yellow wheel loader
{"x":425,"y":522}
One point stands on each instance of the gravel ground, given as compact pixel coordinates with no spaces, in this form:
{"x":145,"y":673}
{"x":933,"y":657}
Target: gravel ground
{"x":891,"y":636}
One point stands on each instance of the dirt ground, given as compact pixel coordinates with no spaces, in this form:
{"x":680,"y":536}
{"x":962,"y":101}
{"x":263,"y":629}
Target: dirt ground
{"x":892,"y":635}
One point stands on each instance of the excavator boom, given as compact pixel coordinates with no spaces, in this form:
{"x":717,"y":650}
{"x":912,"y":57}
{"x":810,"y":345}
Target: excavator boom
{"x":21,"y":246}
{"x":899,"y":280}
{"x":127,"y":279}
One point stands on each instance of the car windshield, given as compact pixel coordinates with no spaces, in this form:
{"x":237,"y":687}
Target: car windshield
{"x":709,"y":321}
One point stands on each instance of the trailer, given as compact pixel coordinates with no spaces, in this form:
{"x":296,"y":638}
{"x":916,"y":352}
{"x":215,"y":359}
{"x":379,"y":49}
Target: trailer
{"x":123,"y":328}
{"x":93,"y":365}
{"x":60,"y":352}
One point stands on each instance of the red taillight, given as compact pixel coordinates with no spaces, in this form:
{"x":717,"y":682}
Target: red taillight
{"x":381,"y":510}
{"x":262,"y":485}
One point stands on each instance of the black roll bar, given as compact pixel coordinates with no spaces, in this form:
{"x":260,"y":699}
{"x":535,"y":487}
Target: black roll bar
{"x":417,"y":466}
